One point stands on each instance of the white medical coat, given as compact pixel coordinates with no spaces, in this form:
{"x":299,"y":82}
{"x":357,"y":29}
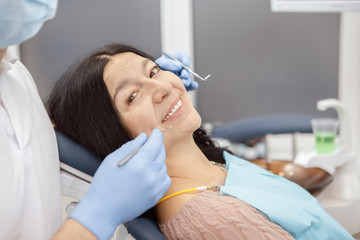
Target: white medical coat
{"x":30,"y":205}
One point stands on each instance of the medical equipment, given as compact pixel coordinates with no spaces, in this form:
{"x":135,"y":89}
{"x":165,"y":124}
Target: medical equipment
{"x":341,"y":198}
{"x":280,"y":162}
{"x":187,"y":68}
{"x":343,"y":154}
{"x":122,"y":162}
{"x":202,"y":188}
{"x":315,"y":5}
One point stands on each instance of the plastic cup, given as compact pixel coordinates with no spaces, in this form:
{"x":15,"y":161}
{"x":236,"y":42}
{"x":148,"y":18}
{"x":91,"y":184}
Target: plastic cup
{"x":325,"y":131}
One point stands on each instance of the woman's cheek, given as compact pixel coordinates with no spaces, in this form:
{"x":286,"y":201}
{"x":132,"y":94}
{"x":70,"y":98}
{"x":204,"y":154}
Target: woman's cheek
{"x":139,"y":124}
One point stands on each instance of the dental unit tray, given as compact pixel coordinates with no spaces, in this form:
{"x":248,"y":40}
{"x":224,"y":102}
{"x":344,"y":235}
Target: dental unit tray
{"x":328,"y":162}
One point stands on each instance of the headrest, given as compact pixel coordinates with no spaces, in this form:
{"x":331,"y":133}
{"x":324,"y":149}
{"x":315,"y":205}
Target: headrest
{"x":249,"y":128}
{"x":76,"y":156}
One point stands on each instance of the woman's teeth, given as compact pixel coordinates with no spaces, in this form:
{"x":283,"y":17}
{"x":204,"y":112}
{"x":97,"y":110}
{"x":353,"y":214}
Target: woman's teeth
{"x":176,"y":107}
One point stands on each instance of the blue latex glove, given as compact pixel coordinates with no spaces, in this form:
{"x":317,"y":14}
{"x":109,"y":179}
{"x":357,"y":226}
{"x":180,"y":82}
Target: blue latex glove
{"x":166,"y":63}
{"x":119,"y":194}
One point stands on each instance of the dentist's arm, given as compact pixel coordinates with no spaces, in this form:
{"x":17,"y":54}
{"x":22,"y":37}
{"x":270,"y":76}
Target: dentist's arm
{"x":168,"y":64}
{"x":119,"y":194}
{"x":72,"y":229}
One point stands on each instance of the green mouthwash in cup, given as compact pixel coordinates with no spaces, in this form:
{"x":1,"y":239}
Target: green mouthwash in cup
{"x":325,"y":142}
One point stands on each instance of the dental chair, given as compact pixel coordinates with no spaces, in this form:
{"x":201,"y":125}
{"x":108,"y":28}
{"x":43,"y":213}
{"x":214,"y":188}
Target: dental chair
{"x":77,"y":166}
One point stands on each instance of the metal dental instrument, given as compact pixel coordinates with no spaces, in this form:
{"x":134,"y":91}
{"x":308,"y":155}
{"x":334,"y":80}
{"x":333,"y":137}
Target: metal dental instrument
{"x":187,"y":68}
{"x":122,"y":162}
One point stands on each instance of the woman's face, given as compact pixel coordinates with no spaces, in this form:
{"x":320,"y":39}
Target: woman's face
{"x":147,"y":97}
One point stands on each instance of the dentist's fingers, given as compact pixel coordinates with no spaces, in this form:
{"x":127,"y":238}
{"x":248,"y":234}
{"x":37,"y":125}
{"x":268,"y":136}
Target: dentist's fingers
{"x":186,"y":77}
{"x":193,"y":86}
{"x":154,"y":147}
{"x":159,"y":162}
{"x":183,"y":57}
{"x":167,"y":64}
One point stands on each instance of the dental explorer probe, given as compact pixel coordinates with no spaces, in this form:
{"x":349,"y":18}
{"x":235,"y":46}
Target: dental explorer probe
{"x":122,"y":162}
{"x":187,"y":68}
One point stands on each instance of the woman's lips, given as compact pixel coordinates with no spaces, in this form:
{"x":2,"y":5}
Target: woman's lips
{"x":174,"y":111}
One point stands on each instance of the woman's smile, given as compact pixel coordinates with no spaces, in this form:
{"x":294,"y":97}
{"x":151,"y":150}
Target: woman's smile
{"x":176,"y":109}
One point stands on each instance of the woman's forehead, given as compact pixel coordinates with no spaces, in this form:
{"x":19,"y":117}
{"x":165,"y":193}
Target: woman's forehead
{"x":124,"y":62}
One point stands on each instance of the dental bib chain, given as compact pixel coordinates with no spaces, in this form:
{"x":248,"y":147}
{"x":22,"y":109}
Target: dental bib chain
{"x":202,"y":188}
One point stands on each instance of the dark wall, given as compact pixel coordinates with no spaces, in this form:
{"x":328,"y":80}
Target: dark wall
{"x":263,"y":62}
{"x":81,"y":26}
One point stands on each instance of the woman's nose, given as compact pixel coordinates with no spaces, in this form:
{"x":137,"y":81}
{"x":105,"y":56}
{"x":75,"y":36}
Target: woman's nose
{"x":161,"y":88}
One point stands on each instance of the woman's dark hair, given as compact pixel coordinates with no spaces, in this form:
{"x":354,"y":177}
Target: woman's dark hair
{"x":80,"y":106}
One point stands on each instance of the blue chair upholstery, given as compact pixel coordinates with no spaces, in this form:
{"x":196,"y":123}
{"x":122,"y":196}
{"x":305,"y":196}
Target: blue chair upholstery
{"x":136,"y":229}
{"x":256,"y":127}
{"x":76,"y":156}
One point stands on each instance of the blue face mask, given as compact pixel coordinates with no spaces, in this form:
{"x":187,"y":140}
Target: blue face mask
{"x":22,"y":19}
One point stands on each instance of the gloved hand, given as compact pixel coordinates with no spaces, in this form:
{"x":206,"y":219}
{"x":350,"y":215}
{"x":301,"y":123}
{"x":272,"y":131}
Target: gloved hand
{"x":168,"y":64}
{"x":119,"y":194}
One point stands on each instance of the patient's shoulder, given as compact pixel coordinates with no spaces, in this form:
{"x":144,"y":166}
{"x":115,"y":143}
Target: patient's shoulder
{"x":169,"y":208}
{"x":212,"y":216}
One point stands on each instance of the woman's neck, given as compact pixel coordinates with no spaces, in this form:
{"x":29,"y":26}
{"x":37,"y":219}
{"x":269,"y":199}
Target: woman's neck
{"x":188,"y":167}
{"x":186,"y":163}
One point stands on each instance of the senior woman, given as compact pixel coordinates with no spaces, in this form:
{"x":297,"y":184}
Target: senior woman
{"x":119,"y":92}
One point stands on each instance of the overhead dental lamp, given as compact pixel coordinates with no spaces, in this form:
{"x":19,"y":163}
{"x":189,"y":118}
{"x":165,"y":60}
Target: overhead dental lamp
{"x":315,"y":5}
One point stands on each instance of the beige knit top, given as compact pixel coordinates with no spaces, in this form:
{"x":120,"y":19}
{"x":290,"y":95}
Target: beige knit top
{"x":210,"y":215}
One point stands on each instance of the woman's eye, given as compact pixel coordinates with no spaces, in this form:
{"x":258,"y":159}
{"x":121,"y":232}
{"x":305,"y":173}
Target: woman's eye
{"x":131,"y":97}
{"x":154,"y":71}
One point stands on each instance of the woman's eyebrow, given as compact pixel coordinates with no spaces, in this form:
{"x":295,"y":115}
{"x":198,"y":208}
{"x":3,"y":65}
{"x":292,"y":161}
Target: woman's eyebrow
{"x":145,"y":62}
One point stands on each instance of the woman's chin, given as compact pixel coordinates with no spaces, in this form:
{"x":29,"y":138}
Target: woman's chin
{"x":197,"y":121}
